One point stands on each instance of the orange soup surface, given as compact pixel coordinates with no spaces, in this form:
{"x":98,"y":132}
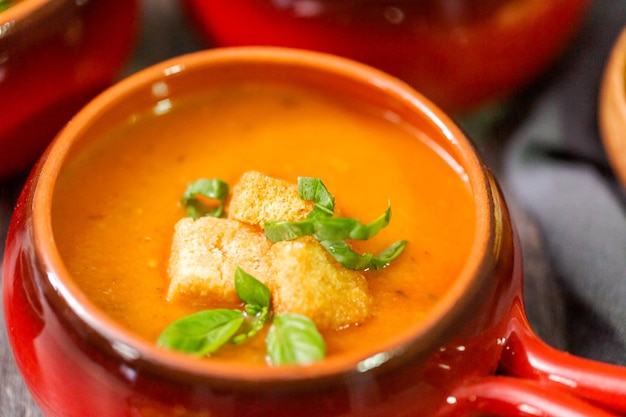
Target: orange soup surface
{"x":116,"y":205}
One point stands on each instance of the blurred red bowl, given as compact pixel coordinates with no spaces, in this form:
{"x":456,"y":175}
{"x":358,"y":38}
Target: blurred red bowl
{"x":461,"y":54}
{"x":55,"y":55}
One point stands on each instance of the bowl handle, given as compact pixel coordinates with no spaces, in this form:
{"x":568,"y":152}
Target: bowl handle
{"x":507,"y":396}
{"x":527,"y":357}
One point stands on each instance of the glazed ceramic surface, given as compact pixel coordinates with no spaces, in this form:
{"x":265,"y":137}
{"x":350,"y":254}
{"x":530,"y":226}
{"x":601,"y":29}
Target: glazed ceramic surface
{"x":612,"y":108}
{"x":460,"y":54}
{"x":55,"y":55}
{"x":473,"y":353}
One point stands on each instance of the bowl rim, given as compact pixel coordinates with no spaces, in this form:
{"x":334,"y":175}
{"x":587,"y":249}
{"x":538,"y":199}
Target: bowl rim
{"x":612,"y":107}
{"x":24,"y":9}
{"x":110,"y":336}
{"x":47,"y":16}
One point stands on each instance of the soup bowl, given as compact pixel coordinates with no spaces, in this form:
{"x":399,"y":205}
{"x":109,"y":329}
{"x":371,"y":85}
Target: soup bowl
{"x":461,"y":54}
{"x":55,"y":55}
{"x":471,"y":352}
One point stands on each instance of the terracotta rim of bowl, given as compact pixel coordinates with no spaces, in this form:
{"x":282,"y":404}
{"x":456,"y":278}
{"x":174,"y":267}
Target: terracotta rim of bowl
{"x":460,"y":299}
{"x":21,"y":9}
{"x":17,"y":21}
{"x":612,"y":108}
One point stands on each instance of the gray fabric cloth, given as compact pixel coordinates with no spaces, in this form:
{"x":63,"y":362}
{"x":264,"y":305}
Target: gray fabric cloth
{"x":555,"y":167}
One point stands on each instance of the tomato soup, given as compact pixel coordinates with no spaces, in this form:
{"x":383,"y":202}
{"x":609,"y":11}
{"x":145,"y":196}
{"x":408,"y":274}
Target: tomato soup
{"x":116,"y":204}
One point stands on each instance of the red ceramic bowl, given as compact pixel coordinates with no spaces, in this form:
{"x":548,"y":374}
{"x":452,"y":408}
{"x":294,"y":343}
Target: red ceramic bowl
{"x":460,"y":54}
{"x":55,"y":55}
{"x":473,"y":353}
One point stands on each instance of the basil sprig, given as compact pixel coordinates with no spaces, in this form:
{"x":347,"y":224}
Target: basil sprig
{"x":256,"y":298}
{"x":331,"y":231}
{"x":202,"y":333}
{"x":326,"y":228}
{"x":211,"y":189}
{"x":291,"y":339}
{"x":343,"y":253}
{"x":314,"y":189}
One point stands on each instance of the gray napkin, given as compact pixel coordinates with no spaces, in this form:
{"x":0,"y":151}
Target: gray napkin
{"x":555,"y":168}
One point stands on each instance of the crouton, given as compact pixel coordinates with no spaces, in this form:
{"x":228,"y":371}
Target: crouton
{"x":306,"y":279}
{"x":205,"y":254}
{"x":257,"y":199}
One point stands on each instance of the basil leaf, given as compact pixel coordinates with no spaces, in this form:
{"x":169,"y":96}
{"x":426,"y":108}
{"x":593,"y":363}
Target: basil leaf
{"x":214,"y":189}
{"x":285,"y":230}
{"x":256,"y":297}
{"x":250,"y":290}
{"x":346,"y":256}
{"x":314,"y":189}
{"x":366,"y":231}
{"x":330,"y":228}
{"x":254,"y":321}
{"x":327,"y":228}
{"x":202,"y":333}
{"x":337,"y":228}
{"x":294,"y":339}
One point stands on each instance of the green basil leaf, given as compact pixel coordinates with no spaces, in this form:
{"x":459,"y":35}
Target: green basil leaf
{"x":333,"y":228}
{"x":327,"y":228}
{"x":366,"y":231}
{"x":202,"y":333}
{"x":346,"y":256}
{"x":293,"y":339}
{"x":337,"y":228}
{"x":284,"y":230}
{"x":252,"y":309}
{"x":314,"y":189}
{"x":250,"y":290}
{"x":393,"y":251}
{"x":253,"y":323}
{"x":214,"y":189}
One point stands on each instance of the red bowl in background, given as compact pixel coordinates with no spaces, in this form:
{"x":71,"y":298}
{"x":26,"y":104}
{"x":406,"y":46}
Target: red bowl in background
{"x":55,"y":55}
{"x":461,"y":54}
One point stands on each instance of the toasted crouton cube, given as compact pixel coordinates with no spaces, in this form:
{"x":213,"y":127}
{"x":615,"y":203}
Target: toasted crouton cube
{"x":306,"y":279}
{"x":205,"y":254}
{"x":257,"y":199}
